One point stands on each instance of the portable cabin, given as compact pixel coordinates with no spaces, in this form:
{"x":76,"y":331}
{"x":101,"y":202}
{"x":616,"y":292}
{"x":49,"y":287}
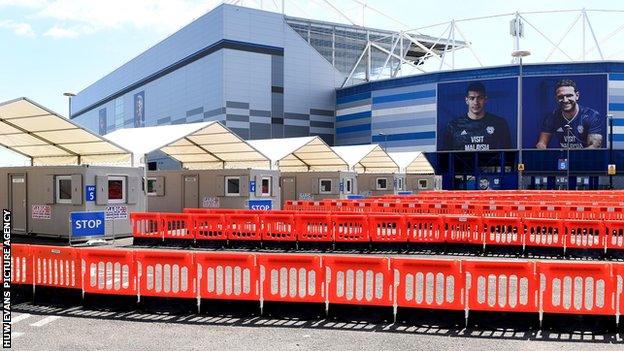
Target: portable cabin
{"x":71,"y":170}
{"x":310,"y":169}
{"x":217,"y":169}
{"x":377,"y":173}
{"x":419,"y":174}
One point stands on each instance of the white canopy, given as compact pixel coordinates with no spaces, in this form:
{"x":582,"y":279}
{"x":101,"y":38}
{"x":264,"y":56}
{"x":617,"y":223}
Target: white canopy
{"x":206,"y":145}
{"x":49,"y":139}
{"x":367,"y":158}
{"x":300,"y":154}
{"x":413,"y":162}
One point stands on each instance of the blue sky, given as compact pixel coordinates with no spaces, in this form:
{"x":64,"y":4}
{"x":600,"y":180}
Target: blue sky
{"x":50,"y":47}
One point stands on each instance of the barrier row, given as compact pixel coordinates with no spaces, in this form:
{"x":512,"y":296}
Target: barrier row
{"x":469,"y":285}
{"x":614,"y":211}
{"x":521,"y":195}
{"x":380,"y":228}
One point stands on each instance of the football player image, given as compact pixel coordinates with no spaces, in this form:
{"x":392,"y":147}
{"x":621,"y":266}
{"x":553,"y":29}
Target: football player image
{"x":477,"y":130}
{"x":586,"y":127}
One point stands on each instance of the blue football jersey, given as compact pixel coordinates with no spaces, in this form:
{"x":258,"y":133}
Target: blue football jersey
{"x":488,"y":133}
{"x":587,"y":121}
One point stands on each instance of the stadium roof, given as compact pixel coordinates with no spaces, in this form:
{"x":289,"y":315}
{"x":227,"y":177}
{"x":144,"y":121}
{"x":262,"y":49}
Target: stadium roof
{"x":367,"y":158}
{"x":342,"y":44}
{"x":49,"y":139}
{"x":206,"y":145}
{"x":300,"y":154}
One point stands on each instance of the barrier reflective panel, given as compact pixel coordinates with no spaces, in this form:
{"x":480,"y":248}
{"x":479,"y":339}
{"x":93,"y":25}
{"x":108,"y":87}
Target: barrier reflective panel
{"x":57,"y":266}
{"x":585,"y":234}
{"x":615,"y":235}
{"x":358,"y":206}
{"x":579,"y":212}
{"x":424,"y":229}
{"x":278,"y":227}
{"x":503,"y":286}
{"x":494,"y":210}
{"x":544,"y":232}
{"x":359,"y":280}
{"x":520,"y":210}
{"x":350,"y":228}
{"x":314,"y":227}
{"x":21,"y":264}
{"x":109,"y":271}
{"x":548,"y":211}
{"x":227,"y":276}
{"x":387,"y":228}
{"x":207,"y":227}
{"x":145,"y":225}
{"x":386,"y":207}
{"x":577,"y":288}
{"x":421,"y":283}
{"x":503,"y":231}
{"x":291,"y":278}
{"x":166,"y":273}
{"x":463,"y":229}
{"x":243,"y":227}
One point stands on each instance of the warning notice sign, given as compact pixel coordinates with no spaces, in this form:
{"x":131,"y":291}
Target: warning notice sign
{"x":41,"y":212}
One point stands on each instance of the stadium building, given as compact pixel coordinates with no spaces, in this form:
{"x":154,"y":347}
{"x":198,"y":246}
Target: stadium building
{"x":267,"y":75}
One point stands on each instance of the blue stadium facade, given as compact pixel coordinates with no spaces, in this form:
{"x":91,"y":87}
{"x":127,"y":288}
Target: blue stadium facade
{"x":407,"y":114}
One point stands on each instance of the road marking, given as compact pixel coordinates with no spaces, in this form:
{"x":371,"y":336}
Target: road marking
{"x":21,"y":317}
{"x":45,"y":321}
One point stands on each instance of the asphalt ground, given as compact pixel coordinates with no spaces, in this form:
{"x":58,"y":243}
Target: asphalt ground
{"x":79,"y":328}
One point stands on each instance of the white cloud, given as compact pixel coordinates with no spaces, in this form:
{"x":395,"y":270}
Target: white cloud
{"x":20,"y":29}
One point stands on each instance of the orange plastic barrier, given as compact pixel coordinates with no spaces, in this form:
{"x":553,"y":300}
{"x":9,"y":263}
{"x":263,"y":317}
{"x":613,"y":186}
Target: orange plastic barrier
{"x":208,"y":227}
{"x":359,"y":280}
{"x":577,"y":288}
{"x":503,"y":286}
{"x":176,"y":226}
{"x":166,"y":273}
{"x":21,"y":264}
{"x":618,"y":274}
{"x":585,"y":234}
{"x":609,"y":212}
{"x":360,"y":206}
{"x":196,"y":210}
{"x":503,"y":231}
{"x":350,"y":228}
{"x":386,"y":207}
{"x":314,"y":227}
{"x":615,"y":236}
{"x":545,"y":232}
{"x":424,"y":229}
{"x":145,"y":225}
{"x":227,"y":276}
{"x":278,"y":227}
{"x":109,"y":271}
{"x":243,"y":227}
{"x":387,"y":228}
{"x":463,"y":230}
{"x":413,"y":208}
{"x":435,"y":284}
{"x":549,"y":211}
{"x":57,"y":266}
{"x":292,"y":278}
{"x":520,"y":210}
{"x":579,"y":212}
{"x":494,"y":210}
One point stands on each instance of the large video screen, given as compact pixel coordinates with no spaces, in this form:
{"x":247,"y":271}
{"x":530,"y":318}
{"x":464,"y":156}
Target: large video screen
{"x":564,"y":111}
{"x":478,"y":115}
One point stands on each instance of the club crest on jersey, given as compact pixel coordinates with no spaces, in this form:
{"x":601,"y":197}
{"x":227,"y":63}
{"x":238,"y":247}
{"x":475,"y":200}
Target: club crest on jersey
{"x":580,"y":128}
{"x":463,"y":132}
{"x":490,"y":130}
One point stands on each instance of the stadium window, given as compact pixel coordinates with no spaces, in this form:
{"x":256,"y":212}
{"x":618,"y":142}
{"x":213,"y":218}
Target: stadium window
{"x":63,"y":189}
{"x":116,"y":190}
{"x":348,"y":186}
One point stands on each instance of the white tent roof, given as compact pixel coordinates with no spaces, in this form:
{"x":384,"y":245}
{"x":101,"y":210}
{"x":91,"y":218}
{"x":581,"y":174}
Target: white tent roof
{"x":367,"y":158}
{"x":300,"y":154}
{"x":49,"y":139}
{"x":413,"y":162}
{"x":206,"y":145}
